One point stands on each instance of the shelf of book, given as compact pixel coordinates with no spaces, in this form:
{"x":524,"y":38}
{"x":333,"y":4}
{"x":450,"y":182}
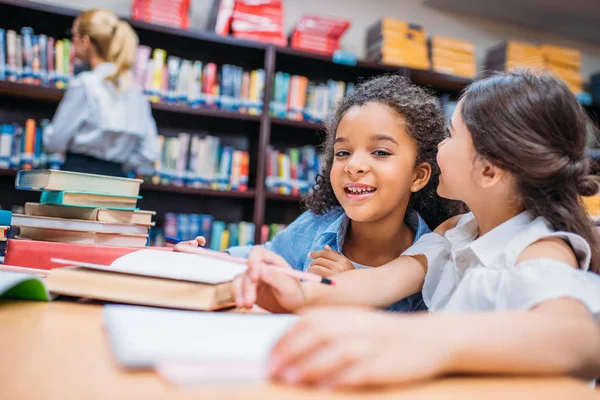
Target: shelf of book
{"x":284,"y":197}
{"x":54,"y":95}
{"x":438,"y":81}
{"x":313,"y":126}
{"x":249,"y":194}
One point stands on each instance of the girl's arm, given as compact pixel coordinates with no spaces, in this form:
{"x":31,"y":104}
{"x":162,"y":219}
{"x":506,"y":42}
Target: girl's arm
{"x":557,"y":337}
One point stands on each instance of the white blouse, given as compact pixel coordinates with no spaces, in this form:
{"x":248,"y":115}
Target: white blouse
{"x":471,"y":273}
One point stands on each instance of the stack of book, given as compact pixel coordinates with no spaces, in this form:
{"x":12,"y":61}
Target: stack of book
{"x":565,"y":63}
{"x":162,"y":12}
{"x":561,"y":61}
{"x":318,"y":34}
{"x":218,"y":234}
{"x":514,"y":54}
{"x":452,"y":56}
{"x":297,"y":98}
{"x":292,"y":171}
{"x":249,"y":19}
{"x":83,"y":209}
{"x":201,"y":162}
{"x":173,"y":80}
{"x":22,"y":147}
{"x":399,"y":43}
{"x":35,"y":59}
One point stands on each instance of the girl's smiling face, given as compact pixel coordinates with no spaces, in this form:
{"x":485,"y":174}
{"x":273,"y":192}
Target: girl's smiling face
{"x":375,"y":168}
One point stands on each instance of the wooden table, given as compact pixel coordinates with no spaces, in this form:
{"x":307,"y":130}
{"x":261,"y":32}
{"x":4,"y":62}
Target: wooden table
{"x":59,"y":351}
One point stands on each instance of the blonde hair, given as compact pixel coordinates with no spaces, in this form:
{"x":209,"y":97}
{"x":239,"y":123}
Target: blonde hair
{"x":114,"y":40}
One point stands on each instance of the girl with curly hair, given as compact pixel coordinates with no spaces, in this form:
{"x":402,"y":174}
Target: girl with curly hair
{"x":376,"y":194}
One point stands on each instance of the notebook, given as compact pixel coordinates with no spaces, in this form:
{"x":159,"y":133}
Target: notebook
{"x":138,"y":217}
{"x":31,"y":221}
{"x":54,"y":180}
{"x":16,"y":285}
{"x":223,"y":345}
{"x":90,"y":200}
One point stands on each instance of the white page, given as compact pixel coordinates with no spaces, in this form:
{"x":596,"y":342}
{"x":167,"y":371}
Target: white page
{"x":171,"y":265}
{"x":225,"y":343}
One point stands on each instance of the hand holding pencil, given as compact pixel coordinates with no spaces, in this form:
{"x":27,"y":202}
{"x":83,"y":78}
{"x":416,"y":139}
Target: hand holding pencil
{"x":269,"y":280}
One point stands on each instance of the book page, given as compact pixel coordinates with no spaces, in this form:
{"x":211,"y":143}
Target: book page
{"x":230,"y":344}
{"x":171,"y":265}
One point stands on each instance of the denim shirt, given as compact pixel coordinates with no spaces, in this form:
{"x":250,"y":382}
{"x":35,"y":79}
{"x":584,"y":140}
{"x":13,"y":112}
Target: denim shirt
{"x":311,"y":232}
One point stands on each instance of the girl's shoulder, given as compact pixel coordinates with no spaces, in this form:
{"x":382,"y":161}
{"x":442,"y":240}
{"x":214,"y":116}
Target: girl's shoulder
{"x":452,"y":223}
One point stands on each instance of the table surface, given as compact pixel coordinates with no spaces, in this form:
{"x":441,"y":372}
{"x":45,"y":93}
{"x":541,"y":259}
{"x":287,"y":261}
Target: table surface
{"x":59,"y":350}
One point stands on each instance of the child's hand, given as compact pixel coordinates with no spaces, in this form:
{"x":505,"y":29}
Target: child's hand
{"x":328,"y":262}
{"x":353,"y":348}
{"x":199,"y":241}
{"x":262,"y":284}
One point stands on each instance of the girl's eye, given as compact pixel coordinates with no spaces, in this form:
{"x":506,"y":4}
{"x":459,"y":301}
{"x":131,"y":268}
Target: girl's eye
{"x":447,"y":135}
{"x":381,"y":153}
{"x":342,"y":153}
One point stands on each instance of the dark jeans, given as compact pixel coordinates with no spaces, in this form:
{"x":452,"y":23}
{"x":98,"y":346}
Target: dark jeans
{"x":91,"y":165}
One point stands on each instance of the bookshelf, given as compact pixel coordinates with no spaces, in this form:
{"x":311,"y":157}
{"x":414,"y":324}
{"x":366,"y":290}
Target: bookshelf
{"x":19,"y":101}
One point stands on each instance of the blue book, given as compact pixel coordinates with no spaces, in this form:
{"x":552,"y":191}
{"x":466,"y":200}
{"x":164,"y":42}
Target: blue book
{"x":183,"y":227}
{"x":27,"y":51}
{"x":2,"y":54}
{"x":6,"y":137}
{"x":37,"y":155}
{"x":218,"y":228}
{"x":233,"y":234}
{"x":206,"y":222}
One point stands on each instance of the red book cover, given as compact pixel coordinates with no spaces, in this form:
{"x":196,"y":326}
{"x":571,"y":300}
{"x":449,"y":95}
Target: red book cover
{"x":37,"y":254}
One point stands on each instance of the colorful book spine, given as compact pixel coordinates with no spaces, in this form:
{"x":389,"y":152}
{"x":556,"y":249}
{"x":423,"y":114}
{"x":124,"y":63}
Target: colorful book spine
{"x":50,"y":58}
{"x":3,"y":60}
{"x":210,"y":86}
{"x":173,"y":66}
{"x":42,"y":73}
{"x":59,"y":64}
{"x":11,"y":55}
{"x":28,"y":146}
{"x":6,"y":138}
{"x":158,"y":62}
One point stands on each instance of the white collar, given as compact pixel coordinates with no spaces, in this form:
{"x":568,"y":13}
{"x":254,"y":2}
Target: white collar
{"x":489,"y":246}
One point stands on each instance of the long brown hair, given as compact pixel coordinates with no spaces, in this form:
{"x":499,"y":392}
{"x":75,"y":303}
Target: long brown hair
{"x":114,"y":40}
{"x":425,"y":122}
{"x":530,"y":124}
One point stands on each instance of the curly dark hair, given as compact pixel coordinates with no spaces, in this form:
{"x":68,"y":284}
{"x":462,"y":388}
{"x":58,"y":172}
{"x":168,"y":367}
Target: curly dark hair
{"x":426,"y":126}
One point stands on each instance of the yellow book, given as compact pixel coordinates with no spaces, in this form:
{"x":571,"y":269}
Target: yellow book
{"x":253,"y":92}
{"x":224,"y":240}
{"x":443,"y":42}
{"x":518,"y":51}
{"x":281,"y":173}
{"x":158,"y":57}
{"x":442,"y":55}
{"x":566,"y":74}
{"x":406,"y":62}
{"x":59,"y":63}
{"x":564,"y":56}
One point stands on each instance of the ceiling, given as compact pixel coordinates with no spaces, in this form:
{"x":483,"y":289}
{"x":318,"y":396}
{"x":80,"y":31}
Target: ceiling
{"x":575,"y":19}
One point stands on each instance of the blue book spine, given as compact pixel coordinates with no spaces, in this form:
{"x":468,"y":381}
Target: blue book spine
{"x":284,"y":93}
{"x":217,"y":231}
{"x":2,"y":54}
{"x":237,"y":88}
{"x":225,"y":168}
{"x":37,"y":155}
{"x":27,"y":50}
{"x":206,"y":222}
{"x":183,"y":226}
{"x":6,"y":138}
{"x":43,"y":43}
{"x":195,"y":225}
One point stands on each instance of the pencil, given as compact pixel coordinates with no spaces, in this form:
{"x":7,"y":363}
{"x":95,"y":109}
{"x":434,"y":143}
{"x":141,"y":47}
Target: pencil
{"x":305,"y":276}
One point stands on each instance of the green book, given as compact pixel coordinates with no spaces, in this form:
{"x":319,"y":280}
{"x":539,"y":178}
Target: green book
{"x":17,"y":285}
{"x":90,"y":200}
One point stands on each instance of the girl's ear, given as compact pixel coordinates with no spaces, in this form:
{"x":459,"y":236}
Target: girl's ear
{"x":421,"y":177}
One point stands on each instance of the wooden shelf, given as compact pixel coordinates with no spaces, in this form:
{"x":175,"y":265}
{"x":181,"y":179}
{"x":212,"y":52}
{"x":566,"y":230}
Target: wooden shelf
{"x":44,"y":93}
{"x":8,"y":172}
{"x":284,"y":197}
{"x":297,"y":124}
{"x":182,"y":109}
{"x":438,"y":81}
{"x":149,"y":187}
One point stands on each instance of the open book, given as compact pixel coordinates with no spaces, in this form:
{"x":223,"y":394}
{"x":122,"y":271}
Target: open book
{"x":148,"y":277}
